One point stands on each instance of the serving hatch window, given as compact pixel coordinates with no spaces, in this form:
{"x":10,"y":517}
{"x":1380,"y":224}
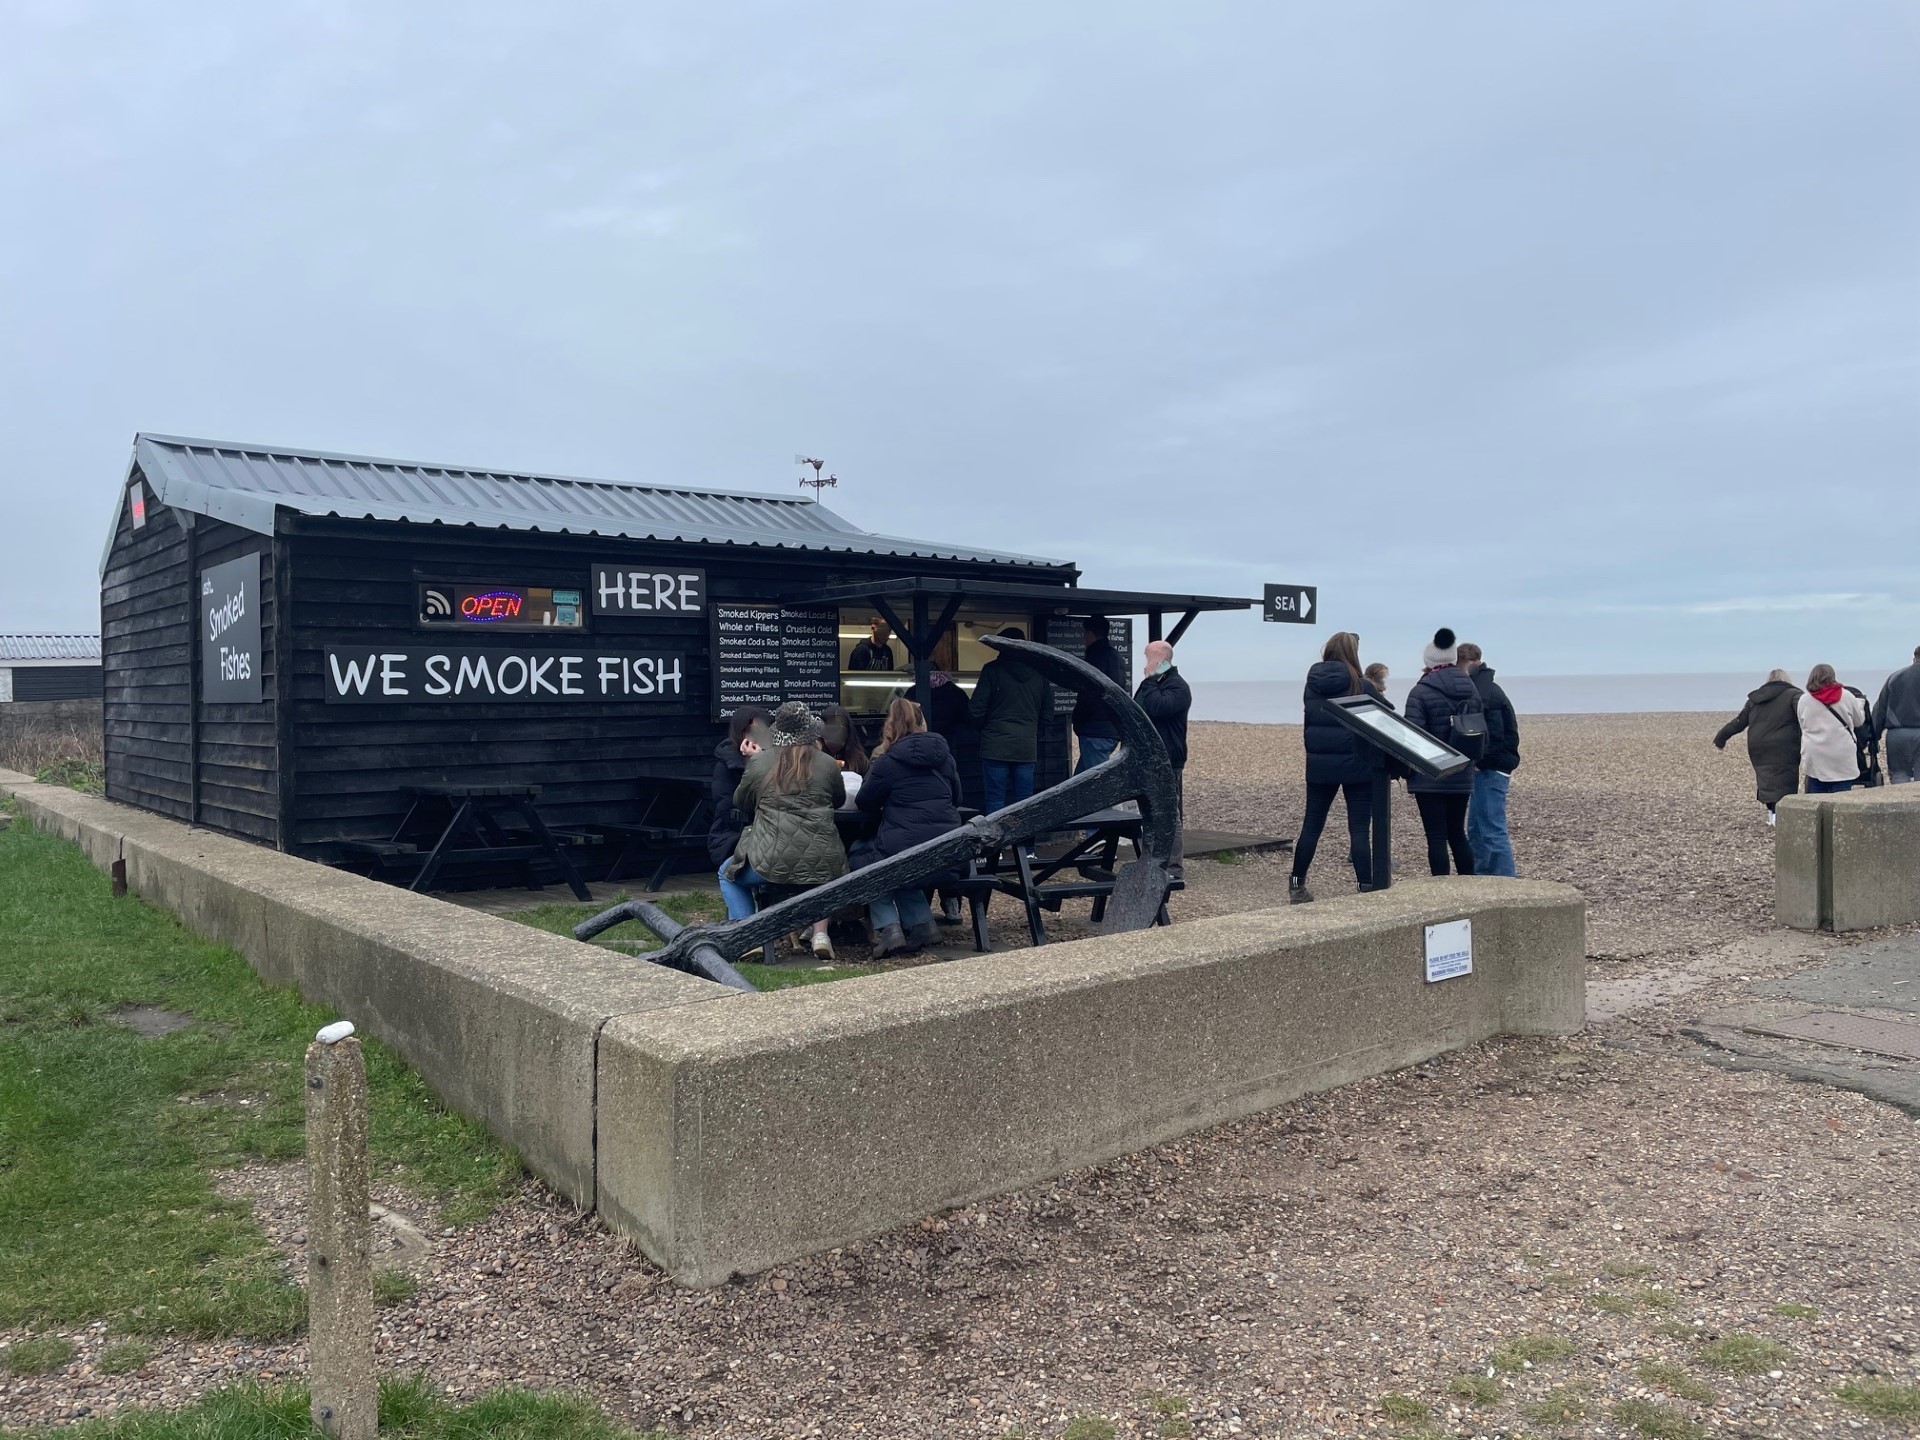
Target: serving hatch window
{"x":876,"y":666}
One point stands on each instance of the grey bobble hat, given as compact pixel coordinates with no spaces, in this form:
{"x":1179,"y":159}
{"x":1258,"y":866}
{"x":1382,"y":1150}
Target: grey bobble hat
{"x":795,"y":724}
{"x":1445,"y":649}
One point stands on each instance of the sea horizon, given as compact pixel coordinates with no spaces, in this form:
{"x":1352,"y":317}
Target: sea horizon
{"x":1277,"y":702}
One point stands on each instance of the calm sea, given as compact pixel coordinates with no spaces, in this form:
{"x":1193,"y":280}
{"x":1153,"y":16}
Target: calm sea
{"x":1278,"y":702}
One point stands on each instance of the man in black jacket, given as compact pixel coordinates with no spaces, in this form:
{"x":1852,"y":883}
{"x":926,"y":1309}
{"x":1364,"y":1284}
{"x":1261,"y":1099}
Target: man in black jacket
{"x":874,"y":652}
{"x":1167,"y":698}
{"x":1093,"y":723}
{"x":1493,"y":772}
{"x":1896,"y":715}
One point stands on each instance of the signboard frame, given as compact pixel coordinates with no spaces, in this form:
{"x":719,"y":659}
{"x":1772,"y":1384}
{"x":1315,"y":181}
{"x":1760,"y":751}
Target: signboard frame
{"x":230,"y":642}
{"x":1291,"y":604}
{"x":799,"y":654}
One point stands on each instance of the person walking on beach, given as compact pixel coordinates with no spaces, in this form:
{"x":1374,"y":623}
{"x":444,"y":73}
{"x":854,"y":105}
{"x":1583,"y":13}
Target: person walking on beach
{"x":1337,"y":764}
{"x":1492,"y":772}
{"x":789,"y":794}
{"x":1093,"y":723}
{"x":1829,"y":716}
{"x":1167,"y":698}
{"x":1442,"y":692}
{"x":1896,"y":716}
{"x":1006,"y":707}
{"x":1772,"y":722}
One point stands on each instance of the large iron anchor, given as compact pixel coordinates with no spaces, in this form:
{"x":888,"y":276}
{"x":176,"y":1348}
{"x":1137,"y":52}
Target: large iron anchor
{"x":1138,"y":770}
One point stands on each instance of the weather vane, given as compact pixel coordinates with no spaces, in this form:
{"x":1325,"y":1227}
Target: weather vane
{"x":817,"y":483}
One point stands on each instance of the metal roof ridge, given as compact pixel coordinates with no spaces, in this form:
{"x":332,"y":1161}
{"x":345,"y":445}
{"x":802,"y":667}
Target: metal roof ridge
{"x":491,"y":472}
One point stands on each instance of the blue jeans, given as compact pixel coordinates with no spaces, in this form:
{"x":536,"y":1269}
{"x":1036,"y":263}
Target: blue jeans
{"x":739,"y":893}
{"x":1827,"y":787}
{"x":1002,"y":782}
{"x":1487,"y":823}
{"x":1095,"y":750}
{"x":906,"y":908}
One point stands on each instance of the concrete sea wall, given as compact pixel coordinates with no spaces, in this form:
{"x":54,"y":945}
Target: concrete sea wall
{"x":1849,"y":861}
{"x":725,"y":1132}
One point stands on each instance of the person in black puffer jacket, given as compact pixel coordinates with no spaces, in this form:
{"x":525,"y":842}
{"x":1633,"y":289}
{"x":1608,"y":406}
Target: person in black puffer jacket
{"x":914,"y":787}
{"x":1442,"y":692}
{"x":730,"y":758}
{"x":1337,"y":761}
{"x":1493,"y":771}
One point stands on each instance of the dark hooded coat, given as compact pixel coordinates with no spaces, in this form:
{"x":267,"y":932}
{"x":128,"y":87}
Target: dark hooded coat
{"x":915,"y":790}
{"x":723,"y":832}
{"x":1335,"y":755}
{"x":1773,"y":739}
{"x":1006,"y":708}
{"x":1438,"y":696}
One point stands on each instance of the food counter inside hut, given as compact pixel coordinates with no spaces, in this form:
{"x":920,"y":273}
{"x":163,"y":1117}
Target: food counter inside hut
{"x":314,"y":650}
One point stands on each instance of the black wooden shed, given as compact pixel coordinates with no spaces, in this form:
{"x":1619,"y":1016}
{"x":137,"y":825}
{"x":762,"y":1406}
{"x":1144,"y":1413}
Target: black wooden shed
{"x":292,"y":638}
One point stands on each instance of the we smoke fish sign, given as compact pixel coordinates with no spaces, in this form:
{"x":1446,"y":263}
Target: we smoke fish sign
{"x":230,"y":632}
{"x":415,"y":675}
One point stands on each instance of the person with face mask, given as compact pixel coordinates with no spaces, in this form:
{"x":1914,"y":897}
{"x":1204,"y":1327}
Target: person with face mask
{"x":1167,"y":698}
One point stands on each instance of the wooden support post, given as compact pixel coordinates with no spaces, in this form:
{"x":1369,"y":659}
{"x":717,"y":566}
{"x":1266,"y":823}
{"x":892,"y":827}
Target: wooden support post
{"x":1181,"y":628}
{"x":339,"y":1254}
{"x":1153,"y":624}
{"x":921,"y":647}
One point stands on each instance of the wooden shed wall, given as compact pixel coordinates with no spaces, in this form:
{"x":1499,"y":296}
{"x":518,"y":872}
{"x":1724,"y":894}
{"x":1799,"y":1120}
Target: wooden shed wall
{"x":147,"y":643}
{"x":353,"y":584}
{"x":239,"y":786}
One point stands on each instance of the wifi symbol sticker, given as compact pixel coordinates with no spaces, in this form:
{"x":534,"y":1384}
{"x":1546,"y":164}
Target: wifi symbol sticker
{"x":438,"y":603}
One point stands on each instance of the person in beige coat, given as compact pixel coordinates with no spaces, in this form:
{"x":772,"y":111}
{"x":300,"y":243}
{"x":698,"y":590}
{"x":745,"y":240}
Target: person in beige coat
{"x":1829,"y":714}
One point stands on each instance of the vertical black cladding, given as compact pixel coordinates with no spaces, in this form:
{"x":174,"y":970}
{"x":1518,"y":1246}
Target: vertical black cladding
{"x":150,"y":613}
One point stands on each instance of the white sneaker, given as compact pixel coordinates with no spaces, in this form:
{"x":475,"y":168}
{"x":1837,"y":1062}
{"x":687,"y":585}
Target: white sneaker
{"x":1771,"y":818}
{"x":822,"y":946}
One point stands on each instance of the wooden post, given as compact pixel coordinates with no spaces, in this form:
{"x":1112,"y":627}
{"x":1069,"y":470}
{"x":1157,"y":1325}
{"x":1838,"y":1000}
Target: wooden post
{"x":339,"y":1254}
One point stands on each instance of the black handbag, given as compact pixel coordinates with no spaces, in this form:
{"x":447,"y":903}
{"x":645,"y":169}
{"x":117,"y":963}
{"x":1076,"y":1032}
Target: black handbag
{"x":1468,"y":729}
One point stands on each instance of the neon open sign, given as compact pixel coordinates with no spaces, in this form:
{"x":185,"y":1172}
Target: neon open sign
{"x":494,"y":605}
{"x":444,"y":604}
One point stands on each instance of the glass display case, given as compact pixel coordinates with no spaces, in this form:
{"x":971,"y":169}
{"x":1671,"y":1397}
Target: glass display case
{"x":875,"y":665}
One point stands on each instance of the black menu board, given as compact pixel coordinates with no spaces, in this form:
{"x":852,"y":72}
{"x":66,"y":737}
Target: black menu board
{"x":1063,"y":632}
{"x":764,"y":654}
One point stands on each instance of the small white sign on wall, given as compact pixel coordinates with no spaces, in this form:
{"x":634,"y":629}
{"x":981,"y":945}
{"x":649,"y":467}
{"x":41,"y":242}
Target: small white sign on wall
{"x":1449,"y":950}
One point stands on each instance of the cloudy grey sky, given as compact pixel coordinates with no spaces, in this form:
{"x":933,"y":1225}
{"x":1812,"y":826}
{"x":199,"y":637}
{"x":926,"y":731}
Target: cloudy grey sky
{"x":1592,"y":329}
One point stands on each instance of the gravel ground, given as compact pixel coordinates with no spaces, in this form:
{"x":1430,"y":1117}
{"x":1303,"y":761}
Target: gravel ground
{"x":1279,"y":1275}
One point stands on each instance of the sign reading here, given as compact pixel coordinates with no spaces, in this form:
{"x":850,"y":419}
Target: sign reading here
{"x":229,"y":619}
{"x":418,"y":674}
{"x":634,"y":590}
{"x":1449,"y":950}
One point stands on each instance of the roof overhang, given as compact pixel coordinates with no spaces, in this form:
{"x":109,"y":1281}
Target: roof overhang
{"x":1072,"y":599}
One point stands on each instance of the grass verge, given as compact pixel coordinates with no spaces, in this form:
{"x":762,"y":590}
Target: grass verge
{"x":107,"y":1137}
{"x":408,"y":1411}
{"x":689,"y":907}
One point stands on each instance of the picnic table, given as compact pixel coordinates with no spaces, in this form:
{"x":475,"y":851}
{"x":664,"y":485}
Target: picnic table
{"x":470,"y":833}
{"x":1092,"y":851}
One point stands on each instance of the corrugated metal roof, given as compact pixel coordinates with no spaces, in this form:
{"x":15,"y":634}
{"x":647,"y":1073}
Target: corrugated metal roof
{"x":49,"y":647}
{"x":245,"y":484}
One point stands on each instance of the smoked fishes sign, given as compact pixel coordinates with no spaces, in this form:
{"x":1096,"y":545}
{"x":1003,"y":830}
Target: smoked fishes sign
{"x":433,"y":675}
{"x":230,"y":632}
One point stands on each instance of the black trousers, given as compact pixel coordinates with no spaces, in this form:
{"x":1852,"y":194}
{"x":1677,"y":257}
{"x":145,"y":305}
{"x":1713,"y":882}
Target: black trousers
{"x":1444,"y":818}
{"x":1359,"y":833}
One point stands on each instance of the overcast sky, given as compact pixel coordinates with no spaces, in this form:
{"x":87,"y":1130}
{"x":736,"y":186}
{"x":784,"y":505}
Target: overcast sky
{"x":1591,"y":329}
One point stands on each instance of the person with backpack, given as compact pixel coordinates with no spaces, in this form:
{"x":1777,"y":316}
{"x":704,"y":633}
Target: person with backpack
{"x":1338,"y":763}
{"x":1493,"y":771}
{"x":1829,"y":717}
{"x":1771,"y":718}
{"x":1896,"y":716}
{"x":1444,"y":695}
